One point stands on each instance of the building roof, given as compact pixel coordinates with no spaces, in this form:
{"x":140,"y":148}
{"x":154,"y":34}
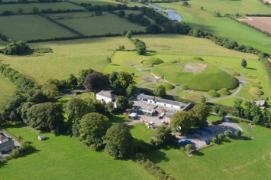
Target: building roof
{"x":165,"y":101}
{"x":106,"y":93}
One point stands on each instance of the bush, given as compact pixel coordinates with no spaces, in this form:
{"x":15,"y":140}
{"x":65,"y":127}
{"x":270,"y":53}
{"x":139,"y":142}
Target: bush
{"x":213,"y":93}
{"x":224,"y":92}
{"x":17,"y":48}
{"x":25,"y":149}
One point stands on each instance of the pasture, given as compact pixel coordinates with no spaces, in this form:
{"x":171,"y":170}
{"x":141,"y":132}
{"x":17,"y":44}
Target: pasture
{"x":7,"y":90}
{"x":90,"y":24}
{"x":28,"y":27}
{"x":28,"y":8}
{"x":238,"y":159}
{"x":65,"y":157}
{"x":261,"y":23}
{"x":223,"y":26}
{"x":67,"y":57}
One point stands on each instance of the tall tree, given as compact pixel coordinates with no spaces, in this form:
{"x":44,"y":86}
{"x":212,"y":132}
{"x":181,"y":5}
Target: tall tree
{"x":95,"y":81}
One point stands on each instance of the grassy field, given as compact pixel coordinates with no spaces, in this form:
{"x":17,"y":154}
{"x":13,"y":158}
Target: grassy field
{"x":67,"y":57}
{"x":28,"y":8}
{"x":238,"y":159}
{"x":6,"y":91}
{"x":90,"y":24}
{"x":222,"y":26}
{"x":27,"y":27}
{"x":63,"y":157}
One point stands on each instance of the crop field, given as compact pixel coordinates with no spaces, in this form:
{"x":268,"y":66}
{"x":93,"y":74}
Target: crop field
{"x":238,"y":159}
{"x":90,"y":24}
{"x":223,"y":26}
{"x":7,"y":89}
{"x":66,"y":158}
{"x":28,"y":8}
{"x":67,"y":57}
{"x":27,"y":27}
{"x":261,"y":23}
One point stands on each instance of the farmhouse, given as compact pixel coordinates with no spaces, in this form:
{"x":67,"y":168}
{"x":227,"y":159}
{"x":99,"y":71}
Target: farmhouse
{"x":6,"y":143}
{"x":106,"y":96}
{"x":261,"y":103}
{"x":166,"y":103}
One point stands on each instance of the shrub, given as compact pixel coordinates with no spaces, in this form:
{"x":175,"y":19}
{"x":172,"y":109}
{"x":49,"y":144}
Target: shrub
{"x":25,"y":149}
{"x":17,"y":48}
{"x":213,"y":93}
{"x":224,"y":92}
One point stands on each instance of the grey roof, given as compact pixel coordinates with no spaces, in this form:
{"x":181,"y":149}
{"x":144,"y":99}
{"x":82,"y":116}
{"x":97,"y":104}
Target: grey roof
{"x":165,"y":101}
{"x":106,"y":93}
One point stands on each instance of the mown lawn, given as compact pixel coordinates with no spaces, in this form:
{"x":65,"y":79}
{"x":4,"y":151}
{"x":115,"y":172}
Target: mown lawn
{"x":221,"y":26}
{"x":28,"y":8}
{"x":7,"y":90}
{"x":29,"y":27}
{"x":89,"y":24}
{"x":64,"y":157}
{"x":238,"y":159}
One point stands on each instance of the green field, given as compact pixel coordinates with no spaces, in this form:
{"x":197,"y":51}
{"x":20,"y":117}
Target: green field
{"x":7,"y":89}
{"x":67,"y":57}
{"x":238,"y":159}
{"x":28,"y":8}
{"x":89,"y":24}
{"x":63,"y":157}
{"x":222,"y":26}
{"x":27,"y":27}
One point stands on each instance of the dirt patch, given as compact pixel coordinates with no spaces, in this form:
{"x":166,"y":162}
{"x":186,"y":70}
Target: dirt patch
{"x":267,"y":1}
{"x":261,"y":23}
{"x":195,"y":67}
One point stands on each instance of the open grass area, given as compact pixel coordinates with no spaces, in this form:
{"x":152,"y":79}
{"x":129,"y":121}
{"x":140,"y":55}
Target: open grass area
{"x":238,"y":159}
{"x":67,"y":57}
{"x":28,"y":27}
{"x":7,"y":89}
{"x":64,"y":157}
{"x":90,"y":24}
{"x":222,"y":26}
{"x":28,"y":8}
{"x":141,"y":132}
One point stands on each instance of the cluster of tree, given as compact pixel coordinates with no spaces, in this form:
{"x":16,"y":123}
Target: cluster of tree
{"x":16,"y":48}
{"x":137,"y":18}
{"x":3,"y":37}
{"x":107,"y":7}
{"x":140,"y":46}
{"x":36,"y":10}
{"x":28,"y":1}
{"x":197,"y":117}
{"x":249,"y":110}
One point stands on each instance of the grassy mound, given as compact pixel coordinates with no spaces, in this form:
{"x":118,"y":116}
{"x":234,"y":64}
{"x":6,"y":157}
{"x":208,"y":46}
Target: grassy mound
{"x":152,"y":62}
{"x":211,"y":78}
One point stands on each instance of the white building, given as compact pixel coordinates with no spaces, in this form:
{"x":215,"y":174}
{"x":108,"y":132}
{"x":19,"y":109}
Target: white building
{"x":169,"y":104}
{"x":106,"y":96}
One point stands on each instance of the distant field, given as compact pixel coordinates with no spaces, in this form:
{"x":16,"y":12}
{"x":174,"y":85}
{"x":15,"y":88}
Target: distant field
{"x":7,"y":89}
{"x":261,"y":23}
{"x":27,"y":27}
{"x":89,"y":24}
{"x":222,"y":26}
{"x":64,"y":157}
{"x":238,"y":159}
{"x":28,"y":8}
{"x":68,"y":57}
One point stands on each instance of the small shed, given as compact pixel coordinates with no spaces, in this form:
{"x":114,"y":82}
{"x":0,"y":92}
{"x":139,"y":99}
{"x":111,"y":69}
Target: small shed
{"x":42,"y":137}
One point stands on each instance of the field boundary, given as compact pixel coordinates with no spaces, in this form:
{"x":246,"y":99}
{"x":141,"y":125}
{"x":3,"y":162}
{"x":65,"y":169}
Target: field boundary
{"x":61,"y":25}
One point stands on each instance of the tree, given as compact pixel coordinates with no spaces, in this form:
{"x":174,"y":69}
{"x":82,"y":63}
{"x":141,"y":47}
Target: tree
{"x":50,"y":89}
{"x":72,"y":82}
{"x":140,"y":47}
{"x":17,"y":48}
{"x":119,"y":141}
{"x":244,"y":63}
{"x":130,"y":90}
{"x":95,"y":81}
{"x":120,"y":81}
{"x":129,"y":34}
{"x":82,"y":76}
{"x":122,"y":103}
{"x":45,"y":117}
{"x":92,"y":128}
{"x":162,"y":136}
{"x":200,"y":114}
{"x":181,"y":122}
{"x":160,"y":91}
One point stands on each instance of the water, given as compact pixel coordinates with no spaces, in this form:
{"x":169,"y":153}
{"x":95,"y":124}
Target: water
{"x":170,"y":13}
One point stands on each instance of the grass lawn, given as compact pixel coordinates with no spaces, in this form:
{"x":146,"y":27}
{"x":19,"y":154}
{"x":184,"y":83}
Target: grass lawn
{"x":67,"y":57}
{"x":221,"y":26}
{"x":28,"y":27}
{"x":28,"y":8}
{"x":141,"y":132}
{"x":90,"y":24}
{"x":63,"y":157}
{"x":7,"y":90}
{"x":213,"y":118}
{"x":239,"y":159}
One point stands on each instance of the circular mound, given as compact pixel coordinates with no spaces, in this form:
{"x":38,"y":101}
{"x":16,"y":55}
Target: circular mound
{"x":152,"y":62}
{"x":202,"y":77}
